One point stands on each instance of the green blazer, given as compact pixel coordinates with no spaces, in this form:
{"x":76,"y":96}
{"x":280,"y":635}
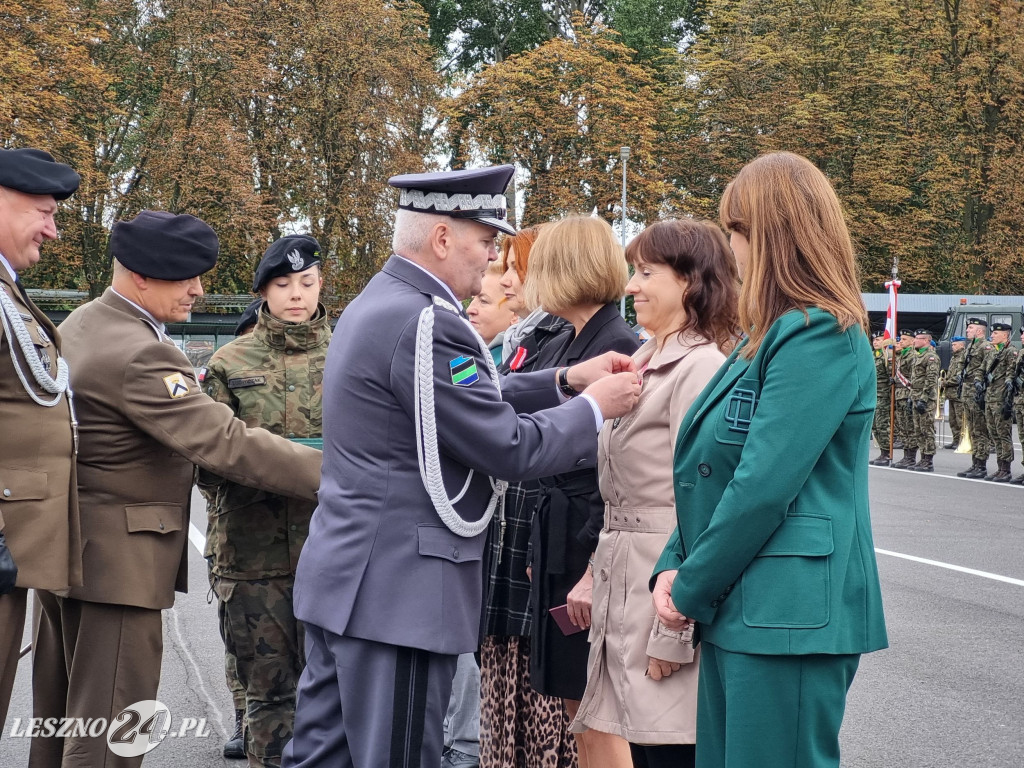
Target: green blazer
{"x":773,"y":549}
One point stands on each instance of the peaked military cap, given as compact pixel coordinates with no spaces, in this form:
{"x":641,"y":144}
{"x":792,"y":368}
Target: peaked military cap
{"x":977,"y":321}
{"x":35,"y":172}
{"x":248,"y":317}
{"x":292,"y":253}
{"x":1002,"y":327}
{"x":477,"y":194}
{"x":165,"y":246}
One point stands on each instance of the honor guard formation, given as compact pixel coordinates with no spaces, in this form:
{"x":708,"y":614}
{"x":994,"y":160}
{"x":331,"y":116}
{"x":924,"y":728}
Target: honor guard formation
{"x":440,"y":539}
{"x":983,"y":387}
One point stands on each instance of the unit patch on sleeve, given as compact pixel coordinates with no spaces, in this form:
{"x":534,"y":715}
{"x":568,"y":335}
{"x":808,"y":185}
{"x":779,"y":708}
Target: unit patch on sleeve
{"x":463,"y":371}
{"x":176,"y":385}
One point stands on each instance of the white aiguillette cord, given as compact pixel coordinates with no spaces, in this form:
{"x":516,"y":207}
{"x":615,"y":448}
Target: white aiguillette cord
{"x":15,"y":328}
{"x":426,"y":432}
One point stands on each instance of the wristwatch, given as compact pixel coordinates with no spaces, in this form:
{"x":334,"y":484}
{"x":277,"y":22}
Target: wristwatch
{"x":563,"y":383}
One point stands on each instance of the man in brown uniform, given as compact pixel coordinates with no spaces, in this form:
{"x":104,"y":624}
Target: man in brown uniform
{"x":40,"y":546}
{"x":144,"y":425}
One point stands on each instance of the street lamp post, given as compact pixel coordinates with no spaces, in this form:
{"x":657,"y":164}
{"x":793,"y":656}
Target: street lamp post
{"x":624,"y":157}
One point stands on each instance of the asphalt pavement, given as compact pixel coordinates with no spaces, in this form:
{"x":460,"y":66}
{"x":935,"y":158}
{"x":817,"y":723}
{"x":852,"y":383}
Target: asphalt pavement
{"x":946,"y":693}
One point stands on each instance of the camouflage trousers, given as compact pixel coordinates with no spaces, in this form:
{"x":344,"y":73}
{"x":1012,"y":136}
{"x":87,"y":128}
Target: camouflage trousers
{"x":924,"y":429}
{"x":261,"y":631}
{"x":904,"y":421}
{"x":977,"y":427}
{"x":880,"y":427}
{"x":230,"y":664}
{"x":1000,"y":431}
{"x":1018,"y":416}
{"x":956,"y":419}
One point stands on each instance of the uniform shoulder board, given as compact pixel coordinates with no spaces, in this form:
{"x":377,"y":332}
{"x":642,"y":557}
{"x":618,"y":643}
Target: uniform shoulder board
{"x":445,"y":304}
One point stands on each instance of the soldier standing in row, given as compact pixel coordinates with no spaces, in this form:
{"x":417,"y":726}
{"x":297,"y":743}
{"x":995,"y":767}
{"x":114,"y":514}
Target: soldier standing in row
{"x":40,"y":543}
{"x":1000,"y":365}
{"x":273,"y":379}
{"x":1018,"y":401}
{"x":904,"y":421}
{"x":883,"y":374}
{"x":924,"y":388}
{"x":973,"y":393}
{"x":952,"y":389}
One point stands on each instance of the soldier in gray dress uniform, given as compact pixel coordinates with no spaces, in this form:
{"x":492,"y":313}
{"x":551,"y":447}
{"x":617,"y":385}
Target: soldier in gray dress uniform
{"x":418,"y":427}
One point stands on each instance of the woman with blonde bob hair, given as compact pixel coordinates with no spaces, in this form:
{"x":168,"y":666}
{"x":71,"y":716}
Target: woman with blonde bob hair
{"x":772,"y":558}
{"x":577,"y":271}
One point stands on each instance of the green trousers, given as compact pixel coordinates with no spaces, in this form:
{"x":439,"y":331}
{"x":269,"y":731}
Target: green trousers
{"x":758,"y":711}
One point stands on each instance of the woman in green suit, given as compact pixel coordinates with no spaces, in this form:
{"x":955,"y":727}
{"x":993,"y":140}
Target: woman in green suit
{"x":773,"y":559}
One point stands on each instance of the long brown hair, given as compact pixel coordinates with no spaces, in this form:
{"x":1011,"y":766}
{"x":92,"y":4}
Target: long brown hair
{"x":698,"y":252}
{"x":801,"y":254}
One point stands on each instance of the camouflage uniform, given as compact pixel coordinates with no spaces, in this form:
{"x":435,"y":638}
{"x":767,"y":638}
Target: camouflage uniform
{"x":974,"y":374}
{"x":924,"y":385}
{"x":1018,"y":405}
{"x":904,"y":423}
{"x":883,"y":371}
{"x":1000,"y":364}
{"x":273,"y":379}
{"x":956,"y":405}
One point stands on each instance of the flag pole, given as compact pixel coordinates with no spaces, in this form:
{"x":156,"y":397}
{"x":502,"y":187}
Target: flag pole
{"x":892,"y":333}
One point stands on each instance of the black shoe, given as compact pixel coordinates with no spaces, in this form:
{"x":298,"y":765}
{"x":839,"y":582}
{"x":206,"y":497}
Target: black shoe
{"x":977,"y":473}
{"x":883,"y":460}
{"x":452,"y":758}
{"x":951,"y":446}
{"x":234,"y":748}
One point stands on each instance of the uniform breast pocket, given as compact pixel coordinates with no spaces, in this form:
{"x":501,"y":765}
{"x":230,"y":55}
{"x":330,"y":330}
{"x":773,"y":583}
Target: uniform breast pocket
{"x":787,"y":584}
{"x":435,"y":541}
{"x":737,"y":411}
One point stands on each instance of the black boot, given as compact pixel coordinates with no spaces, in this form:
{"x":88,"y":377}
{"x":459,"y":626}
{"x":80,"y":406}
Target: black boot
{"x":234,"y":748}
{"x":1002,"y":474}
{"x":980,"y":471}
{"x":908,"y":460}
{"x":883,"y":460}
{"x":925,"y":464}
{"x":1018,"y":480}
{"x":953,"y":445}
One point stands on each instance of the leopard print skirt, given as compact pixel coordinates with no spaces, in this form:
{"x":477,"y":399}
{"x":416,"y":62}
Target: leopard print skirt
{"x":519,"y":728}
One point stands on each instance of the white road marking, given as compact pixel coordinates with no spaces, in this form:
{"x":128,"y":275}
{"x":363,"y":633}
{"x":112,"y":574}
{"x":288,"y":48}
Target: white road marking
{"x":197,"y":537}
{"x":959,"y":568}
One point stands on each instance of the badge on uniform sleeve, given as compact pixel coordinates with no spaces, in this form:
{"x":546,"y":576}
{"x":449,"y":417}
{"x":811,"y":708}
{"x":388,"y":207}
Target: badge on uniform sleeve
{"x":463,"y":371}
{"x":201,"y":373}
{"x":176,"y":385}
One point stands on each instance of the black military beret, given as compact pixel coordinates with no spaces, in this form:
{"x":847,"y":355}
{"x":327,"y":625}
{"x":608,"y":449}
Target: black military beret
{"x":977,"y":321}
{"x":165,"y":246}
{"x":877,"y":334}
{"x":906,"y":332}
{"x":248,"y":317}
{"x":292,"y":253}
{"x":1002,"y":327}
{"x":35,"y":172}
{"x":922,"y":332}
{"x":477,"y":194}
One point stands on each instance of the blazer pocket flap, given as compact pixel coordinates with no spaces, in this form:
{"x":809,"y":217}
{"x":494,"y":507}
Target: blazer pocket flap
{"x":22,"y":485}
{"x":801,"y":535}
{"x":435,"y":541}
{"x":153,"y":518}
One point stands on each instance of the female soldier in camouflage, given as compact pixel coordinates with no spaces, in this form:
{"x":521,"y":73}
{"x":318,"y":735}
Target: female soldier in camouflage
{"x":271,"y":378}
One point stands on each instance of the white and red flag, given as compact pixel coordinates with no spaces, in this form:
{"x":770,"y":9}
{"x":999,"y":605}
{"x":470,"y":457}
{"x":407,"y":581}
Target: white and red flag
{"x":891,"y":333}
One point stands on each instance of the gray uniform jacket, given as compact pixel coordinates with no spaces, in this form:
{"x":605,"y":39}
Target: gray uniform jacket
{"x":379,"y":564}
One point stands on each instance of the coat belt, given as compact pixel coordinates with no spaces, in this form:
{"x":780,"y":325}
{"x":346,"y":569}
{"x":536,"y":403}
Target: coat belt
{"x":640,"y":519}
{"x":553,"y":512}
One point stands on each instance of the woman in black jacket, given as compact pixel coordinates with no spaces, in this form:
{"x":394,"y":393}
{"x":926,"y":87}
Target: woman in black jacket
{"x":578,"y":272}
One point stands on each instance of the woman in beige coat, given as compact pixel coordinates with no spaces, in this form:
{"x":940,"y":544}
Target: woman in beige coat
{"x":642,"y":678}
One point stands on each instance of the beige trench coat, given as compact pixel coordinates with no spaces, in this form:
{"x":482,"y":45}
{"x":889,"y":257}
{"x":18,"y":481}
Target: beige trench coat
{"x":635,"y":470}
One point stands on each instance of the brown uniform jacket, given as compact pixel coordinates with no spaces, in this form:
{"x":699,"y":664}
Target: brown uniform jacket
{"x":144,"y":424}
{"x":38,"y":499}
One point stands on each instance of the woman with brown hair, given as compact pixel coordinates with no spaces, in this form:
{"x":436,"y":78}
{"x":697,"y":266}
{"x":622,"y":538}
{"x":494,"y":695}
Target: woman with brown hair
{"x":773,"y":558}
{"x":642,"y":677}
